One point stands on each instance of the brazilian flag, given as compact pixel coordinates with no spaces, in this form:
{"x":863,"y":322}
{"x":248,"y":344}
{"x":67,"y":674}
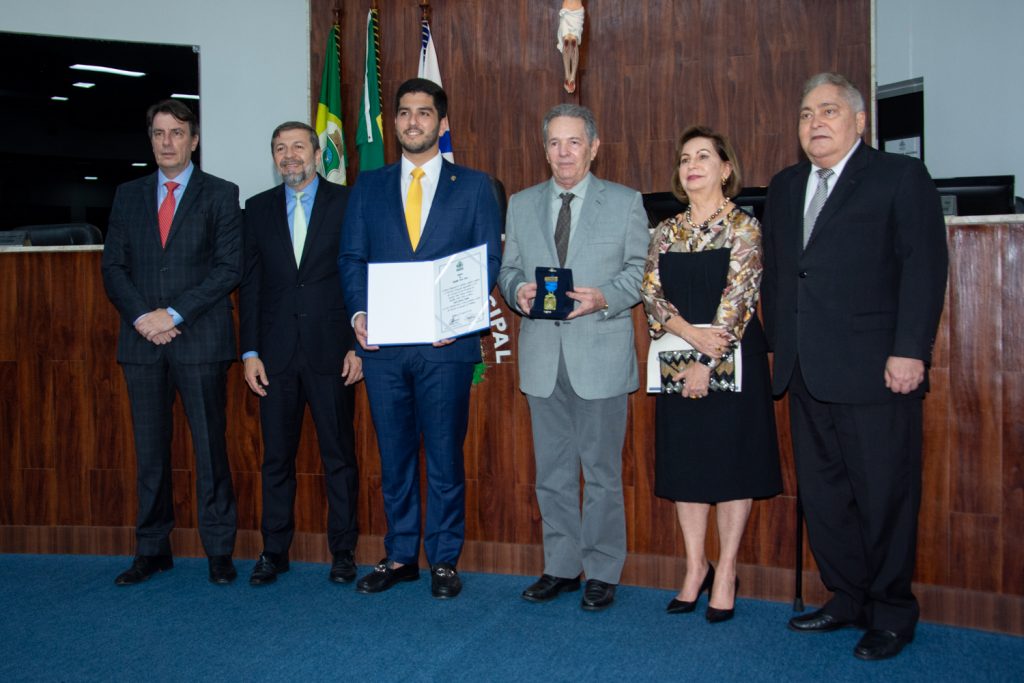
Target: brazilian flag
{"x":370,"y":133}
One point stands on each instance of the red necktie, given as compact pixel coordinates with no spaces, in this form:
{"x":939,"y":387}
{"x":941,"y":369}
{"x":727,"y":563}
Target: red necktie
{"x":166,"y":213}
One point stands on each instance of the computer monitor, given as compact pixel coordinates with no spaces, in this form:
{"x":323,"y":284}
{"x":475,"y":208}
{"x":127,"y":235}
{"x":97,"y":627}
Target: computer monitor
{"x":977,"y":195}
{"x":751,"y":200}
{"x":662,"y":205}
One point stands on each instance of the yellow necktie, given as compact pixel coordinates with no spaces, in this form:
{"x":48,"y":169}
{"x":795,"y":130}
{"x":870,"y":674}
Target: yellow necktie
{"x":414,"y":207}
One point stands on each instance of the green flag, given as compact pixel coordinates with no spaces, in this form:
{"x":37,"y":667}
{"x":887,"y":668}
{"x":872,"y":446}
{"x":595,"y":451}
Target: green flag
{"x":370,"y":133}
{"x":333,"y":160}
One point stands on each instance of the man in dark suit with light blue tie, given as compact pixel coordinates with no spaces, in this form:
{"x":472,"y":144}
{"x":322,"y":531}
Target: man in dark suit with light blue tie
{"x":297,"y":348}
{"x":419,"y":390}
{"x":172,"y":257}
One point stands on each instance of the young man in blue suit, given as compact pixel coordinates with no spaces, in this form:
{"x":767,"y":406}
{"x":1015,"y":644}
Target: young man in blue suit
{"x":854,"y":281}
{"x":419,"y":390}
{"x":172,"y":257}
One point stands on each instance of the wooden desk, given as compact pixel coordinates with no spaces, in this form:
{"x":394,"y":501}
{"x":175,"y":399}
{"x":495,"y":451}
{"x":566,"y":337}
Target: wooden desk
{"x":67,"y":472}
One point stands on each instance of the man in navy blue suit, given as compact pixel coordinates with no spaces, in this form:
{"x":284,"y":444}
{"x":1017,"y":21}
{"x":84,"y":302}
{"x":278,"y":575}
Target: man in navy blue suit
{"x":418,"y":390}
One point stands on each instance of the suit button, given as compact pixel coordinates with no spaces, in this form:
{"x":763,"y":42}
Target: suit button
{"x":803,"y":273}
{"x":557,"y":324}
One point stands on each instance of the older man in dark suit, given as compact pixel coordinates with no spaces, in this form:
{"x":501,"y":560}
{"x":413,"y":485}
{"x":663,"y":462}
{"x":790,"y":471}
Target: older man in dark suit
{"x":855,"y":275}
{"x":172,"y":256}
{"x":297,"y":347}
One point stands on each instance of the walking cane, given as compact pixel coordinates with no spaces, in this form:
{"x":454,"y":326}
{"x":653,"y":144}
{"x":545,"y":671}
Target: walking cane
{"x":798,"y":587}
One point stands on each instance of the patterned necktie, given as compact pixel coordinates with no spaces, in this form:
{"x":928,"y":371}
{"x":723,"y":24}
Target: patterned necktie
{"x":414,"y":207}
{"x":165,"y":216}
{"x":562,"y":226}
{"x":817,"y":201}
{"x":298,"y":227}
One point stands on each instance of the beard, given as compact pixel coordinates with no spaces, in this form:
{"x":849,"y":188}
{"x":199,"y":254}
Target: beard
{"x":296,"y":178}
{"x":426,"y":141}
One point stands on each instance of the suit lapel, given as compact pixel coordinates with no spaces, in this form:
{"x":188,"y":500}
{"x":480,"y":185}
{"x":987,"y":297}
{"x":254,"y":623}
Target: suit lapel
{"x":544,"y":222}
{"x":279,"y":223}
{"x":393,"y":191}
{"x":445,"y":187}
{"x":315,"y":219}
{"x":188,"y":200}
{"x":152,"y":227}
{"x":589,"y":210}
{"x":797,"y":194}
{"x":845,"y":186}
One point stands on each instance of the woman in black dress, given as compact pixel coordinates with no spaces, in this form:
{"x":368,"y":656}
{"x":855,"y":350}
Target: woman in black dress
{"x":713,"y":446}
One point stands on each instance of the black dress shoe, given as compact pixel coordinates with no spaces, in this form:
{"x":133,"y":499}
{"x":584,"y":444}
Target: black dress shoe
{"x":222,"y":570}
{"x":268,"y":566}
{"x":343,"y":568}
{"x":879,"y":644}
{"x":597,"y":595}
{"x":143,"y":567}
{"x":684,"y":606}
{"x":547,"y":587}
{"x":444,"y":580}
{"x":817,"y":621}
{"x":384,"y":576}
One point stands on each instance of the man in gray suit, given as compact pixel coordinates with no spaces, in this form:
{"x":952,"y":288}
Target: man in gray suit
{"x":576,"y":373}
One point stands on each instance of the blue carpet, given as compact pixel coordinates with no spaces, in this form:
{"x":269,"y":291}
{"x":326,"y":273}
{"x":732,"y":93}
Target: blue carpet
{"x":63,"y":619}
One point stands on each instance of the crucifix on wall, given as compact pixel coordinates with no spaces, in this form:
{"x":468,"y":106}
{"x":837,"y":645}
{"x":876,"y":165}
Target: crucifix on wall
{"x":570,"y":35}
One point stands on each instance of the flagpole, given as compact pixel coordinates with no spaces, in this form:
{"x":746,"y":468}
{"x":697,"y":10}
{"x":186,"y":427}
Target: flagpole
{"x":337,"y":44}
{"x":337,"y":33}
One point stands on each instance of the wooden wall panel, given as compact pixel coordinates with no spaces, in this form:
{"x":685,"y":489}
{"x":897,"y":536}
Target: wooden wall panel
{"x":933,"y":549}
{"x":9,"y":321}
{"x":975,"y":290}
{"x":648,"y":69}
{"x":11,"y":404}
{"x":1012,"y":496}
{"x":975,"y":543}
{"x":75,"y":436}
{"x":112,"y":496}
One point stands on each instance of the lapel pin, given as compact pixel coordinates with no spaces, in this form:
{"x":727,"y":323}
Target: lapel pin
{"x":453,"y":179}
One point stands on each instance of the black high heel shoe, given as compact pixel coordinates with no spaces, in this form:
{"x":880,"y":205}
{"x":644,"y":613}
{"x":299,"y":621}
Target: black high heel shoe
{"x":715,"y":615}
{"x":681,"y":606}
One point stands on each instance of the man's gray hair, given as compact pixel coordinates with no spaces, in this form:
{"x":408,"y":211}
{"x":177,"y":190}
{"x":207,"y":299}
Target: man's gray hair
{"x":573,"y":111}
{"x":849,"y":90}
